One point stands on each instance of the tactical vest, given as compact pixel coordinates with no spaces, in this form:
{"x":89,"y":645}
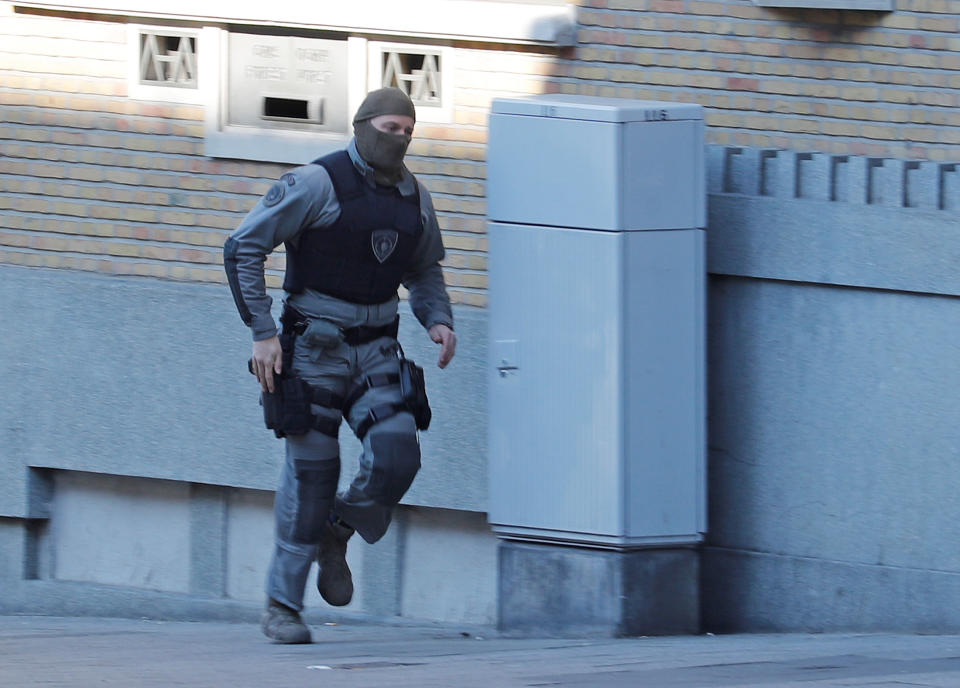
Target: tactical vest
{"x":361,"y":257}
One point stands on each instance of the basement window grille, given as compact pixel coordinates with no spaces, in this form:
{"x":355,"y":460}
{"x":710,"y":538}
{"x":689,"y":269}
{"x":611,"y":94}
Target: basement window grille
{"x":418,"y":74}
{"x":168,"y":60}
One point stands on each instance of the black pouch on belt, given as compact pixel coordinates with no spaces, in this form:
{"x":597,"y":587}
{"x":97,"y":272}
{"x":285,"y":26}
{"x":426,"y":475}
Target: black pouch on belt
{"x":413,"y":388}
{"x":286,"y":410}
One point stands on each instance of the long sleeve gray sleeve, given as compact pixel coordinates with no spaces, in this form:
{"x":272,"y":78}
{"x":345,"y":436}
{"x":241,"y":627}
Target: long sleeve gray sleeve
{"x":429,"y":300}
{"x":302,"y":198}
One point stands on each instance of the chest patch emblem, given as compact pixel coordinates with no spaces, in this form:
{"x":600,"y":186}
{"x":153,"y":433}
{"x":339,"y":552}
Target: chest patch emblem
{"x":383,"y":242}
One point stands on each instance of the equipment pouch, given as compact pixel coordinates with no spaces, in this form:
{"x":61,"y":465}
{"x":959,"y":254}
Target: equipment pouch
{"x":322,"y":334}
{"x":413,"y":388}
{"x":286,"y":410}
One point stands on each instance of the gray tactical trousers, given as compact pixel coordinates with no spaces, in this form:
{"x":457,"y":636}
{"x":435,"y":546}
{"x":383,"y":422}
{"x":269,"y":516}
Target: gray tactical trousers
{"x":308,"y":485}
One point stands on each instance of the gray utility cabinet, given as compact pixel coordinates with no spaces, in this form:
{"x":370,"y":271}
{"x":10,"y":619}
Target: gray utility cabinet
{"x":597,"y":284}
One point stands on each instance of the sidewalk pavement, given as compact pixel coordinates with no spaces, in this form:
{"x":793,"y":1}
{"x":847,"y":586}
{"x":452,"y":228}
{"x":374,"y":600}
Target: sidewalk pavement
{"x":81,"y":652}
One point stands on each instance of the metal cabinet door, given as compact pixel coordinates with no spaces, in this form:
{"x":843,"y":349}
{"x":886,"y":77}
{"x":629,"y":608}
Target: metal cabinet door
{"x":555,"y":372}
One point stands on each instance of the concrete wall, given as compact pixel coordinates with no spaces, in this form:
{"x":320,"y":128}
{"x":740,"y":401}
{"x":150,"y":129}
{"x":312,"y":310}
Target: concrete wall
{"x":137,"y":477}
{"x":132,"y":442}
{"x":833,"y":394}
{"x":833,"y":378}
{"x":832,"y":375}
{"x":135,"y":456}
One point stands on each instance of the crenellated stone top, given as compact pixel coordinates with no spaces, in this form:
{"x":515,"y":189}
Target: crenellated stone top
{"x":858,"y":180}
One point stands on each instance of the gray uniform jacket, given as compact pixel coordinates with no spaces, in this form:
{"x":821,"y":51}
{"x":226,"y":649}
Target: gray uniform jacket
{"x":289,"y":209}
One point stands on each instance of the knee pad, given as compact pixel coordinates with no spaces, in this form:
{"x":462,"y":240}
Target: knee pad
{"x":316,"y":487}
{"x":396,"y":460}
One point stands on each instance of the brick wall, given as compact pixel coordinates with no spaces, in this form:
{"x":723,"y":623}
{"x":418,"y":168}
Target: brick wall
{"x":93,"y":180}
{"x":866,"y":83}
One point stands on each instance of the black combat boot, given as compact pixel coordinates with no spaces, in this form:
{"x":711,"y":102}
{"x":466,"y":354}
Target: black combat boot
{"x":284,"y":625}
{"x":334,"y":580}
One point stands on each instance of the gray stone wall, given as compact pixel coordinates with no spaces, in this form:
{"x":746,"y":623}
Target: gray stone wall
{"x":140,"y":377}
{"x":833,"y":377}
{"x":135,"y":455}
{"x":834,"y":344}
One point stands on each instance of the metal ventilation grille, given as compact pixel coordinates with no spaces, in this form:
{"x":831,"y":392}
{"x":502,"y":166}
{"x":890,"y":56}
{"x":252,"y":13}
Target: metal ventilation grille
{"x":415,"y":73}
{"x":168,"y":60}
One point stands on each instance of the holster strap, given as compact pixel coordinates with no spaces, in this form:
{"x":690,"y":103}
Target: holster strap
{"x":376,"y":414}
{"x":323,"y":397}
{"x":292,"y":320}
{"x":328,"y":426}
{"x":366,"y":382}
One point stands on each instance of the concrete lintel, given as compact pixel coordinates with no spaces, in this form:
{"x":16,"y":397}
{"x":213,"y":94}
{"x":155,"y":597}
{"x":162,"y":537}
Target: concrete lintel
{"x":871,"y":246}
{"x":548,"y":23}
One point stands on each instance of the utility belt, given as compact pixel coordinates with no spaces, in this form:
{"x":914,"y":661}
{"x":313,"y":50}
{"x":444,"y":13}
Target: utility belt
{"x":296,"y":324}
{"x":287,"y":410}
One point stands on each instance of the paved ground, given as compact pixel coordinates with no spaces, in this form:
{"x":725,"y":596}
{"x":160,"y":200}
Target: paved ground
{"x":80,"y":652}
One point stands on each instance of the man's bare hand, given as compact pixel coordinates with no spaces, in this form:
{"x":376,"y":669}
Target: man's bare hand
{"x":267,"y":360}
{"x":447,"y":339}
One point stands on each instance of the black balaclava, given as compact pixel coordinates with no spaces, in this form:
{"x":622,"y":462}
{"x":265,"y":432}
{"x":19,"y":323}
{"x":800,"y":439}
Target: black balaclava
{"x":382,"y":151}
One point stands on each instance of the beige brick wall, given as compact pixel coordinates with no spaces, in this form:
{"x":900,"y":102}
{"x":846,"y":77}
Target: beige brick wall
{"x":864,"y":83}
{"x":91,"y":179}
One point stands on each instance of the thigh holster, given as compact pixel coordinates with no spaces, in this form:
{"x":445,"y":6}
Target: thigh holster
{"x":287,"y":410}
{"x":413,"y":396}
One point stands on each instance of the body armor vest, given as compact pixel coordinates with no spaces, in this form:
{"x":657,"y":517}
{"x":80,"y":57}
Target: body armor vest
{"x":361,"y":257}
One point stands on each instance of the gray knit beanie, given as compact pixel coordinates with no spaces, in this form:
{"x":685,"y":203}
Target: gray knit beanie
{"x":385,"y":101}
